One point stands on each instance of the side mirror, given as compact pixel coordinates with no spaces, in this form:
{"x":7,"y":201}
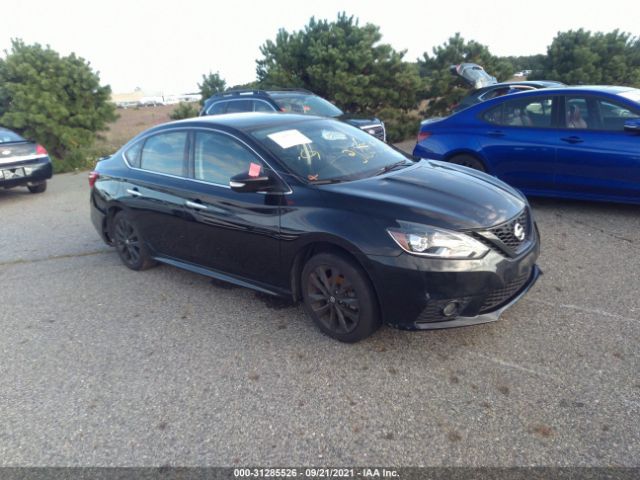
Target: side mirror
{"x":632,"y":125}
{"x":246,"y":183}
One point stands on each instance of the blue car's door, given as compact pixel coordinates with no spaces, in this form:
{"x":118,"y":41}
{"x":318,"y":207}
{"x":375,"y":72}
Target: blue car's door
{"x":519,"y":142}
{"x":597,"y":158}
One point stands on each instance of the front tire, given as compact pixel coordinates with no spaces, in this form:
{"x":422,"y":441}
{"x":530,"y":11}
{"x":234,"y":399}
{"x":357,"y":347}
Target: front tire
{"x":339,"y":298}
{"x":468,"y":161}
{"x":38,"y":188}
{"x":129,"y":244}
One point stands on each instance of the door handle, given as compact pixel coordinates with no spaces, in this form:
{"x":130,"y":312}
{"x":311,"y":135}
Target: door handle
{"x":572,"y":139}
{"x":195,"y":205}
{"x":496,"y":133}
{"x":134,"y":192}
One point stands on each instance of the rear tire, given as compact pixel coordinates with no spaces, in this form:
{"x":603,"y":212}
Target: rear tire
{"x":339,"y":298}
{"x":38,"y":188}
{"x":468,"y":161}
{"x":129,"y":244}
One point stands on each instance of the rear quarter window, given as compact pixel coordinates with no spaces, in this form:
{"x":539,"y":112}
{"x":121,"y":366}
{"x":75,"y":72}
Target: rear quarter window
{"x":132,"y":154}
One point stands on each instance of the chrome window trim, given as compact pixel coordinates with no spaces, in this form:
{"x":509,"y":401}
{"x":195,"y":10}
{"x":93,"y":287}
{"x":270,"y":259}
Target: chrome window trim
{"x":204,"y":129}
{"x":248,"y":97}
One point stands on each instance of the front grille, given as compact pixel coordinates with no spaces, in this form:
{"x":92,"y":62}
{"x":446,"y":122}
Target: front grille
{"x":504,"y":237}
{"x":506,"y":231}
{"x":501,"y":295}
{"x":376,"y":130}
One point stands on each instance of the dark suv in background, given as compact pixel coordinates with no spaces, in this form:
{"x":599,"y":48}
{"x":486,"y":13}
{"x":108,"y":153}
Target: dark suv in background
{"x":291,"y":101}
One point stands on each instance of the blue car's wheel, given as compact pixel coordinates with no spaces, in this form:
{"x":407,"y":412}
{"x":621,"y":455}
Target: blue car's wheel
{"x":468,"y":161}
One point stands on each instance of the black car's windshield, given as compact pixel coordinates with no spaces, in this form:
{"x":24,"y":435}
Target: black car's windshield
{"x":305,"y":103}
{"x":323,"y":151}
{"x":7,"y":136}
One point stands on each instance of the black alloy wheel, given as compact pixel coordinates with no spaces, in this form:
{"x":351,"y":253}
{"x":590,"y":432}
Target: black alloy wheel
{"x":129,"y":244}
{"x":468,"y":161}
{"x":339,"y":298}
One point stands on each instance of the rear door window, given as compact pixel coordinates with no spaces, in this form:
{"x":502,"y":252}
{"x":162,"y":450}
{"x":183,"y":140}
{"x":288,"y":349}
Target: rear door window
{"x":165,"y":153}
{"x":534,"y":112}
{"x":262,"y":106}
{"x":236,"y":106}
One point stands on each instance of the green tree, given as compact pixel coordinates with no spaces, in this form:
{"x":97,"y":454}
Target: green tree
{"x":444,"y":89}
{"x":342,"y":61}
{"x":581,"y":57}
{"x":54,"y":100}
{"x":535,"y":63}
{"x":211,"y":84}
{"x":184,"y":110}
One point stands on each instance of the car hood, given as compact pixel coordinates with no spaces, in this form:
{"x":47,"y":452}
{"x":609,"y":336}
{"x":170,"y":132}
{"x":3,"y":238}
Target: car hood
{"x":473,"y":75}
{"x":436,"y":193}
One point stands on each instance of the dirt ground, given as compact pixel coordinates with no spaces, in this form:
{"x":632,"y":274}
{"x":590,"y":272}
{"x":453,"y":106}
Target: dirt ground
{"x":132,"y":121}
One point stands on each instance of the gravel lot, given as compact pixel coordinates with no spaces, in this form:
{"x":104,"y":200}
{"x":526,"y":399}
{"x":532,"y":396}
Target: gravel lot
{"x":104,"y":366}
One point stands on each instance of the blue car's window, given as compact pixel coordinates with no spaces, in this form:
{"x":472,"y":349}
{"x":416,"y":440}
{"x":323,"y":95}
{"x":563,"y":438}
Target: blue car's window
{"x":613,"y":115}
{"x":219,"y":157}
{"x":523,"y":112}
{"x":328,"y":150}
{"x":577,"y":113}
{"x":164,"y":153}
{"x":595,"y":113}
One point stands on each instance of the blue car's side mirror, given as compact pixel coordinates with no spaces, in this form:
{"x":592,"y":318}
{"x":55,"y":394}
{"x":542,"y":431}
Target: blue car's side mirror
{"x":632,"y":125}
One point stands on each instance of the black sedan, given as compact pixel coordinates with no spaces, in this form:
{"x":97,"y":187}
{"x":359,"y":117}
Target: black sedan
{"x":319,"y":211}
{"x":23,"y":163}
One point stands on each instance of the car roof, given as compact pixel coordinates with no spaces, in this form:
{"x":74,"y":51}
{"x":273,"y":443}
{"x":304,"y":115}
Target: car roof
{"x":530,"y":82}
{"x":565,"y":90}
{"x":244,"y":121}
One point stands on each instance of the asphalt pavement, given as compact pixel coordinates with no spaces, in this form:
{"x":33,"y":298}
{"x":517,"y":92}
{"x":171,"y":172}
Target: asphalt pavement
{"x":103,"y":366}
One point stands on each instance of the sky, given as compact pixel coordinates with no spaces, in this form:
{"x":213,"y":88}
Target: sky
{"x":162,"y":46}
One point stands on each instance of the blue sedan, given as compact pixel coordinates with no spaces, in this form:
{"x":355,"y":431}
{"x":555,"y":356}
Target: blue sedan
{"x":574,"y":142}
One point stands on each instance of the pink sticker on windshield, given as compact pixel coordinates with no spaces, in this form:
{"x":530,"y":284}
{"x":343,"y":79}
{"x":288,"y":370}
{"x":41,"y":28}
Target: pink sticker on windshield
{"x":254,"y":170}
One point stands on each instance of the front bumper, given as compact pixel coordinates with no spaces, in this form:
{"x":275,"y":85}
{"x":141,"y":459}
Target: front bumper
{"x":26,"y":172}
{"x":484,"y":317}
{"x":414,"y":291}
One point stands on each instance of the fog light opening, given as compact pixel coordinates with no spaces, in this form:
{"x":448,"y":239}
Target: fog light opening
{"x":451,"y":309}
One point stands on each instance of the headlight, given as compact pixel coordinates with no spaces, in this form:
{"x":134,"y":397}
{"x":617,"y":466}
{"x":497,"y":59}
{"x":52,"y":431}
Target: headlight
{"x":435,"y":242}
